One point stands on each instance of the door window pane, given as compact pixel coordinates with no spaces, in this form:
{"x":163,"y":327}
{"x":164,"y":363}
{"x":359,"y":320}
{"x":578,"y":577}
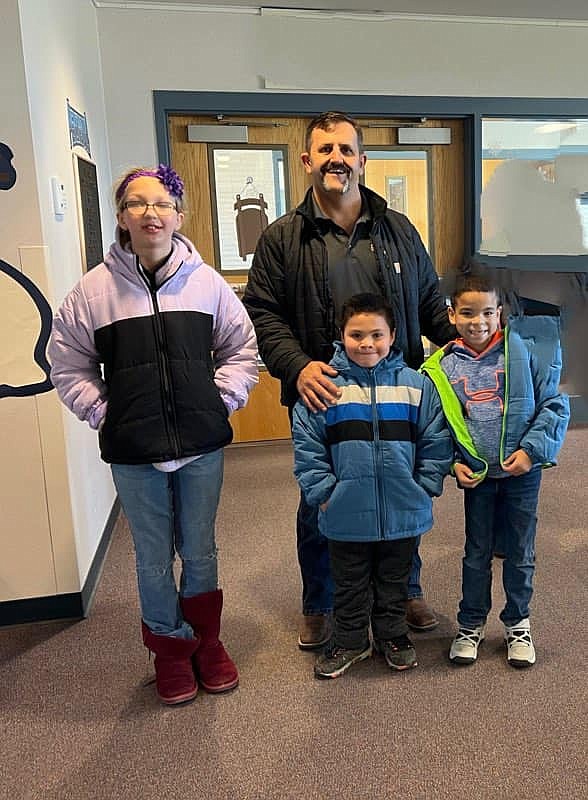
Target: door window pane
{"x":250,"y":190}
{"x":534,"y":187}
{"x":401,"y":176}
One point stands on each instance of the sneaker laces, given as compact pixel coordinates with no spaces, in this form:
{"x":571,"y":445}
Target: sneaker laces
{"x":332,"y":650}
{"x":398,"y":643}
{"x":472,"y":636}
{"x":519,"y":636}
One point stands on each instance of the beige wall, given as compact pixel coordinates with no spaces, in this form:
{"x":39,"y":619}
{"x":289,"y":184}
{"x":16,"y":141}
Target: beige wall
{"x":26,"y":559}
{"x":62,"y":61}
{"x":55,"y":494}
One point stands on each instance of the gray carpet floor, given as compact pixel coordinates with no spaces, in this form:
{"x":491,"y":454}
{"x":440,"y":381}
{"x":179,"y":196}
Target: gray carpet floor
{"x":79,"y":720}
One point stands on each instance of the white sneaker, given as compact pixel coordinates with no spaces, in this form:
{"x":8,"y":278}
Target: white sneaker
{"x":519,"y":643}
{"x":464,"y":649}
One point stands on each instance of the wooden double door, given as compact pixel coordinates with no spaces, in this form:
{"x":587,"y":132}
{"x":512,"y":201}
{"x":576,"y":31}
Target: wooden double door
{"x":424,"y":181}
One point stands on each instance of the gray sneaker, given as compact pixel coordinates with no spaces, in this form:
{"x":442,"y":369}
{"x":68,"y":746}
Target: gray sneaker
{"x":399,"y":652}
{"x":336,"y":660}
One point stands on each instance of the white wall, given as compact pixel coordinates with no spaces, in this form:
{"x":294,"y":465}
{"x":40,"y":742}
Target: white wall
{"x":407,"y":57}
{"x":206,"y":51}
{"x":146,"y":50}
{"x":62,"y":60}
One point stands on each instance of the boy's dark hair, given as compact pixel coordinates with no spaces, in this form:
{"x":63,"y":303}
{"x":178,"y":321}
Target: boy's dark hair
{"x":328,"y":120}
{"x":367,"y":303}
{"x":474,"y":280}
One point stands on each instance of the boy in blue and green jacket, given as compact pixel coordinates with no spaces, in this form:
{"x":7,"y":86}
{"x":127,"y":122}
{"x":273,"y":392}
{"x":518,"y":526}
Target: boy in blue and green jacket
{"x":500,"y":395}
{"x":371,"y":462}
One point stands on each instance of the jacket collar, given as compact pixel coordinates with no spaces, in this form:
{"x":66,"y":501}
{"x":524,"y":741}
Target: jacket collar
{"x":375,"y":205}
{"x":122,"y":258}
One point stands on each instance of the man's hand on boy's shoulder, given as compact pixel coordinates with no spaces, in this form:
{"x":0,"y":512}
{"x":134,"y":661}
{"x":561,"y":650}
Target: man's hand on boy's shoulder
{"x":518,"y":463}
{"x":465,"y":477}
{"x":315,"y":387}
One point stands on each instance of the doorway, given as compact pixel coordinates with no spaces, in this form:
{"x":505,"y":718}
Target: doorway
{"x":427,"y":180}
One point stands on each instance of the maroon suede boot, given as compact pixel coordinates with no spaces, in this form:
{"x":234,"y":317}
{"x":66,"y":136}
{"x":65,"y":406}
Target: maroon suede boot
{"x":212,"y":664}
{"x":174,"y":676}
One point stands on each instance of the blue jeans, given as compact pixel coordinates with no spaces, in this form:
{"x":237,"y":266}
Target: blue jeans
{"x":510,"y":503}
{"x":313,"y":558}
{"x":172,"y":513}
{"x":414,"y":579}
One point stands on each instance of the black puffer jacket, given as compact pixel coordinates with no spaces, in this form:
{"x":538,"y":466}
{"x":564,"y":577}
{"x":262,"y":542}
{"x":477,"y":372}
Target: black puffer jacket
{"x":289,"y":302}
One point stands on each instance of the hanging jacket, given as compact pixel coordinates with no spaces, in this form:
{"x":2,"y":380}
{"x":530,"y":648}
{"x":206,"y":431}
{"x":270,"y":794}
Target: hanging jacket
{"x":378,"y":456}
{"x":177,"y":357}
{"x":288,"y":298}
{"x":536,"y":414}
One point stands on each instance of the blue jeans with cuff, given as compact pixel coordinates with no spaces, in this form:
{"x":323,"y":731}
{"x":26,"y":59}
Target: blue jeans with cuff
{"x":172,"y":513}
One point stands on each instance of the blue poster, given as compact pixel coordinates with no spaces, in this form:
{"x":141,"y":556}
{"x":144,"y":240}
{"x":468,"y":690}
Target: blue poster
{"x":78,"y":129}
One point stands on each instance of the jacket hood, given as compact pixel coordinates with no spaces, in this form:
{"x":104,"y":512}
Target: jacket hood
{"x":121,"y":257}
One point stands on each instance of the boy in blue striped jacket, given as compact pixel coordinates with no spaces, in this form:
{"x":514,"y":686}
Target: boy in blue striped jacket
{"x":372,"y":463}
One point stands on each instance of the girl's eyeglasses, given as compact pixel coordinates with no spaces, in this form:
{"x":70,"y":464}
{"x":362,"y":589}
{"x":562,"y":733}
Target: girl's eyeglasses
{"x":137,"y":208}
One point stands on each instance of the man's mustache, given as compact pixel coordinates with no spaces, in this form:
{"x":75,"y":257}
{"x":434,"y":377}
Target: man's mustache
{"x":335,"y":165}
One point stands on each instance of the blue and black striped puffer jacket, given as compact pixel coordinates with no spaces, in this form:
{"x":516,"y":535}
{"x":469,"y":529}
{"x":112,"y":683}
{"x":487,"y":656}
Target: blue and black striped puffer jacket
{"x":378,"y":456}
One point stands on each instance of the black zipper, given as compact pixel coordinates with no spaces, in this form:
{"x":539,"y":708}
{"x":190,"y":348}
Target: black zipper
{"x":169,"y":415}
{"x":378,"y":460}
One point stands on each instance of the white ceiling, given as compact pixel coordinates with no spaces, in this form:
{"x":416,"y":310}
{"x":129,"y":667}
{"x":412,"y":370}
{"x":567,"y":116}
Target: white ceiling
{"x":524,"y":9}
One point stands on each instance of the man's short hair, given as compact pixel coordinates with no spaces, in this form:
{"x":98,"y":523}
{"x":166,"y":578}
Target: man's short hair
{"x":327,"y":120}
{"x":367,"y":303}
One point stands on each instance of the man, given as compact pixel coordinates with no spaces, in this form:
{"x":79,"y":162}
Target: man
{"x":341,"y":240}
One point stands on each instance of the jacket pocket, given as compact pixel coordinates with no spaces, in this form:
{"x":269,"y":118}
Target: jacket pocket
{"x":352,"y":511}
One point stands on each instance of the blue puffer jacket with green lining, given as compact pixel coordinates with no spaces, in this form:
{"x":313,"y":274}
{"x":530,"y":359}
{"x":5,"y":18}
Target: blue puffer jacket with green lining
{"x":536,"y":413}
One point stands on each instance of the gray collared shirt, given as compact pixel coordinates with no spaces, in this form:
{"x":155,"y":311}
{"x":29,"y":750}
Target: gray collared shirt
{"x":351,"y":261}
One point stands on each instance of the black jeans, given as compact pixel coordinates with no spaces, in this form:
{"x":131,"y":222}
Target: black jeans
{"x":358,"y":568}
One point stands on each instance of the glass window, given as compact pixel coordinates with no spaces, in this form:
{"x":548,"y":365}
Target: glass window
{"x":534,"y":197}
{"x":401,"y":176}
{"x":249,"y":189}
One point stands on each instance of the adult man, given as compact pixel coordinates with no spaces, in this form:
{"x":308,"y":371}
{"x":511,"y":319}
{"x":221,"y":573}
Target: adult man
{"x":341,"y":240}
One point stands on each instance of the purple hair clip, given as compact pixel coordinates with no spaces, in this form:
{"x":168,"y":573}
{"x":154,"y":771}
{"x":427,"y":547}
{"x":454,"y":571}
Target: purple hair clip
{"x":171,"y":180}
{"x":166,"y":175}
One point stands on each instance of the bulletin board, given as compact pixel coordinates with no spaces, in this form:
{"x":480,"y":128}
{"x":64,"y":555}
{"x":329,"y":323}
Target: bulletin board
{"x":88,"y":211}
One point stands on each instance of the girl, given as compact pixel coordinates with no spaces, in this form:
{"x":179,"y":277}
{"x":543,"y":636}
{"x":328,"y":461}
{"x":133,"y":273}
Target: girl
{"x":179,"y":356}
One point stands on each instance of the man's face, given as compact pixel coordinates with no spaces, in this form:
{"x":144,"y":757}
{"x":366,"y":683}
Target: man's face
{"x":334,"y":161}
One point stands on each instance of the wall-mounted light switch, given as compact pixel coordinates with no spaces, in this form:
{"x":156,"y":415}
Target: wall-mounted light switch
{"x":59,"y":197}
